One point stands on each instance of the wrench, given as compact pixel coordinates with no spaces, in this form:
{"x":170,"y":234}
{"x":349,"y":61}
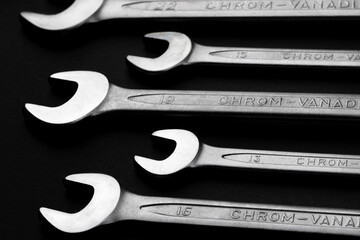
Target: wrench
{"x":182,"y":51}
{"x":110,"y":204}
{"x":86,"y":11}
{"x":95,"y":96}
{"x":190,"y":153}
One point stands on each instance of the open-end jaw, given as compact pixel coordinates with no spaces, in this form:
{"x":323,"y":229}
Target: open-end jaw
{"x":180,"y":47}
{"x":103,"y":203}
{"x":78,"y":13}
{"x":187,"y":148}
{"x":92,"y":89}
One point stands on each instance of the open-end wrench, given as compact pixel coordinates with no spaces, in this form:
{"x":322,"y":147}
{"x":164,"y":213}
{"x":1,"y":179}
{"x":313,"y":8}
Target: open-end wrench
{"x":190,"y":153}
{"x":110,"y":204}
{"x":95,"y":96}
{"x":182,"y":51}
{"x":85,"y":11}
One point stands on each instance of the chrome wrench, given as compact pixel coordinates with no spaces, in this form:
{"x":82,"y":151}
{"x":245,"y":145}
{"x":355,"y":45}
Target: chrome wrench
{"x":95,"y":95}
{"x":110,"y":204}
{"x":86,"y":11}
{"x":183,"y":51}
{"x":189,"y":152}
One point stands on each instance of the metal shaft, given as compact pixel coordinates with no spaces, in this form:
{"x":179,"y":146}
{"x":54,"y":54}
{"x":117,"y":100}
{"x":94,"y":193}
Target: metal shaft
{"x":277,"y":160}
{"x":227,"y":8}
{"x":268,"y":56}
{"x":263,"y":103}
{"x":215,"y":213}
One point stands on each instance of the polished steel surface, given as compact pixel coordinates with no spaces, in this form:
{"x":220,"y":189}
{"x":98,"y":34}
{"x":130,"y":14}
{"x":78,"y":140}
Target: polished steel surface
{"x":84,"y":11}
{"x":110,"y":204}
{"x":190,"y":153}
{"x":96,"y":87}
{"x":183,"y":51}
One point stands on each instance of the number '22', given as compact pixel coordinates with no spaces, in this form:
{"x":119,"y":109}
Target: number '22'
{"x":165,"y":6}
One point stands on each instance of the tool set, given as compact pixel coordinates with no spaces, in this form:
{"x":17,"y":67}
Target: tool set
{"x":95,"y":95}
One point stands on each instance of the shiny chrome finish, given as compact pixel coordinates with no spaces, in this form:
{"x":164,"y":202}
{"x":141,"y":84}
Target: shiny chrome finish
{"x":87,"y":11}
{"x":183,"y":51}
{"x":96,"y":96}
{"x":189,"y":152}
{"x":110,"y":204}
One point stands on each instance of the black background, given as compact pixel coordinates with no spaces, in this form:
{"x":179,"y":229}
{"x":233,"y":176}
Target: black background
{"x":36,"y":157}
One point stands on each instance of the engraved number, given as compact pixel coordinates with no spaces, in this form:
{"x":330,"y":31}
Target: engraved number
{"x":183,"y":211}
{"x":167,"y":99}
{"x":255,"y":158}
{"x":165,"y":6}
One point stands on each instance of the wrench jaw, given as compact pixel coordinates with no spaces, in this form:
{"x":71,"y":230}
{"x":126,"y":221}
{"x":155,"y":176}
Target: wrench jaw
{"x":92,"y":89}
{"x":180,"y":47}
{"x":77,"y":14}
{"x":187,"y":148}
{"x":102,"y":205}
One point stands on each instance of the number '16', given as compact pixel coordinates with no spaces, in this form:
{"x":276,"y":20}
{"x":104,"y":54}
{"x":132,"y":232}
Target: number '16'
{"x":183,"y":211}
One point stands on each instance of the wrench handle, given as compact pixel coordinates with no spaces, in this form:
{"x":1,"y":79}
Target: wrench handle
{"x":216,"y":213}
{"x":277,"y":160}
{"x":220,"y":8}
{"x":263,"y":56}
{"x":286,"y":104}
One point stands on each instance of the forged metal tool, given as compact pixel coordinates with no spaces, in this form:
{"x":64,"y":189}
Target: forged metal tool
{"x":110,"y":204}
{"x":86,"y":11}
{"x":95,"y":96}
{"x":182,"y":51}
{"x":190,"y":153}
